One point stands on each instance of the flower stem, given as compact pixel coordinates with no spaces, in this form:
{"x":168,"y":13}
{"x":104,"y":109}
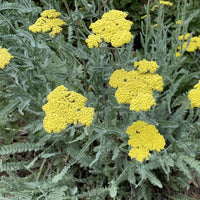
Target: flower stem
{"x":70,"y":15}
{"x":119,"y":58}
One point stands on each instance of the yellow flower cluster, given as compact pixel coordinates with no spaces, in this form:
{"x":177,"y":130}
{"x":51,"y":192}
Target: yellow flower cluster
{"x":194,"y":96}
{"x":179,"y":22}
{"x":146,"y":66}
{"x":167,"y":3}
{"x":4,"y":57}
{"x":136,"y":88}
{"x":112,"y":28}
{"x":144,"y":138}
{"x":193,"y":45}
{"x":154,"y":7}
{"x":155,"y":25}
{"x":48,"y":22}
{"x":66,"y":107}
{"x":144,"y":16}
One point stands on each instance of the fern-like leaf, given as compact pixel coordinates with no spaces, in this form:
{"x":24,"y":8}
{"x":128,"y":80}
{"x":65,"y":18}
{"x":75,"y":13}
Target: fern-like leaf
{"x":18,"y":7}
{"x":192,"y":162}
{"x":20,"y":147}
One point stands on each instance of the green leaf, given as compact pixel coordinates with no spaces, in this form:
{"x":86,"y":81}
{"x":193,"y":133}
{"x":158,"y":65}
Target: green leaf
{"x":168,"y":124}
{"x":10,"y":107}
{"x":61,"y":174}
{"x":115,"y":153}
{"x":113,"y":189}
{"x":153,"y":179}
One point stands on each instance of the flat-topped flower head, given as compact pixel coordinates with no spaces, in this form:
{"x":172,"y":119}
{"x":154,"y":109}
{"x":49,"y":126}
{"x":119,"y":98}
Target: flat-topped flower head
{"x":48,"y":22}
{"x":66,"y":107}
{"x":194,"y":96}
{"x":144,"y":138}
{"x":136,"y":88}
{"x":146,"y":66}
{"x":112,"y":28}
{"x":5,"y":57}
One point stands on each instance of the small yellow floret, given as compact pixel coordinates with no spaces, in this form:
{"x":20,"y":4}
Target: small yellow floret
{"x":178,"y":54}
{"x":48,"y":22}
{"x":193,"y":45}
{"x":144,"y":16}
{"x":185,"y":37}
{"x":194,"y":96}
{"x":65,"y":107}
{"x":4,"y":57}
{"x":167,"y":3}
{"x":93,"y":40}
{"x":144,"y":138}
{"x":146,"y":66}
{"x":179,"y":22}
{"x":50,"y":14}
{"x":154,"y":7}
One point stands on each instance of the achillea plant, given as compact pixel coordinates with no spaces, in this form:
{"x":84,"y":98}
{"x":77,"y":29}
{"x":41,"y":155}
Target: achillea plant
{"x":65,"y":107}
{"x":112,"y":28}
{"x":48,"y":22}
{"x":144,"y":138}
{"x":136,"y":87}
{"x":5,"y":57}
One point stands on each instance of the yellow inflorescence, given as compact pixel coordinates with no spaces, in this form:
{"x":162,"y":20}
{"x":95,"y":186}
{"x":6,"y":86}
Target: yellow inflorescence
{"x":145,"y":66}
{"x":112,"y":28}
{"x":154,"y":7}
{"x":155,"y":25}
{"x":144,"y":138}
{"x":194,"y":96}
{"x":144,"y":16}
{"x":136,"y":88}
{"x":167,"y":3}
{"x":66,"y":107}
{"x":48,"y":22}
{"x":179,"y":22}
{"x":4,"y":57}
{"x":193,"y":45}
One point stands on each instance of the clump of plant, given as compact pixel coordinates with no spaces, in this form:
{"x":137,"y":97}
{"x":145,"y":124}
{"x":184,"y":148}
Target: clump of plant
{"x":82,"y":116}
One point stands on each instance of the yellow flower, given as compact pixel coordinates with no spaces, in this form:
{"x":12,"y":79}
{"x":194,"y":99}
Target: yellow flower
{"x":112,"y":28}
{"x":155,"y":25}
{"x":136,"y":88}
{"x":179,"y":22}
{"x":185,"y":37}
{"x":178,"y":54}
{"x":168,"y":3}
{"x":144,"y":138}
{"x":193,"y":45}
{"x":66,"y":107}
{"x":4,"y":57}
{"x":145,"y":66}
{"x":194,"y":96}
{"x":154,"y":7}
{"x":144,"y":16}
{"x":93,"y":40}
{"x":48,"y":22}
{"x":50,"y":14}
